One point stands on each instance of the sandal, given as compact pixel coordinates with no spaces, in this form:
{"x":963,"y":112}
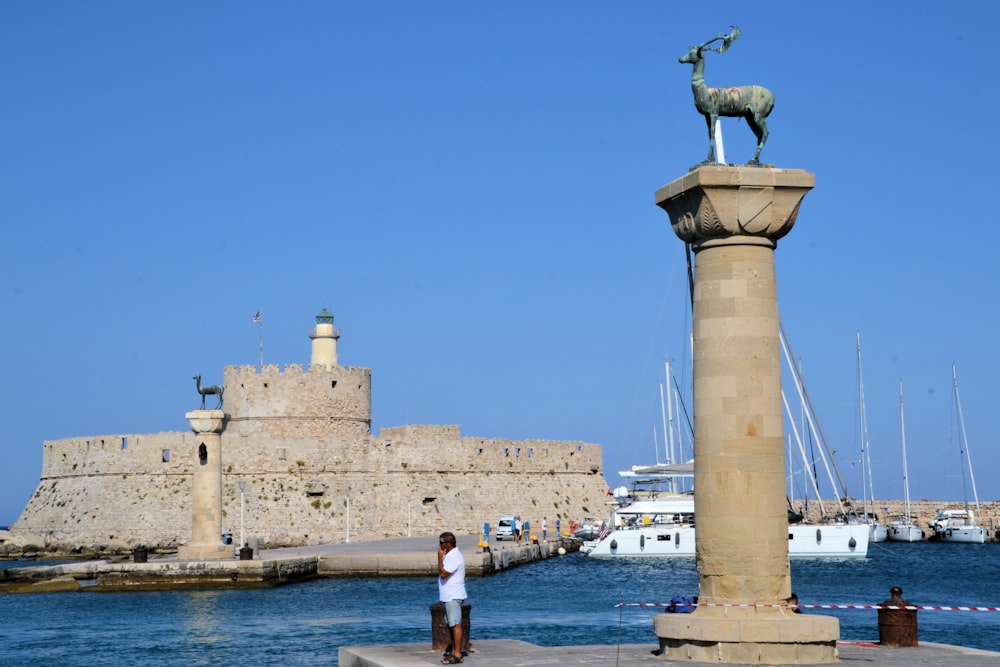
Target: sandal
{"x":452,"y":660}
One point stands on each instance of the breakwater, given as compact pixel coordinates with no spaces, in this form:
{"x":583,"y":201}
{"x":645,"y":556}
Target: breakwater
{"x":401,"y":557}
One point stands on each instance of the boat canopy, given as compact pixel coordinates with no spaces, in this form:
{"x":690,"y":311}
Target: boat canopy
{"x":661,"y":471}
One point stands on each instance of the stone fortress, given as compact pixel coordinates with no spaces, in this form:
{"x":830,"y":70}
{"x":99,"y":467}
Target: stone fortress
{"x":300,"y":440}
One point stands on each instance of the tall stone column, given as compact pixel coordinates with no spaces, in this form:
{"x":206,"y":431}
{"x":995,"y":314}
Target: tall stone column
{"x":733,"y":218}
{"x":206,"y":488}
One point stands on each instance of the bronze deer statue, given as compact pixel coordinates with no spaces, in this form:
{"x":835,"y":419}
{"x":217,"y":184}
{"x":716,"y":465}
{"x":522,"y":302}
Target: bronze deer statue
{"x":214,"y":389}
{"x":751,"y":102}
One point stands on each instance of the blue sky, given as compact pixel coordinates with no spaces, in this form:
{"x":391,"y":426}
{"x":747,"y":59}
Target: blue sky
{"x":468,"y":187}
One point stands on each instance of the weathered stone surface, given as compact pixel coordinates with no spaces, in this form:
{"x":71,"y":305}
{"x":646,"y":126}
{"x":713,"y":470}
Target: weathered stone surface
{"x":301,"y":441}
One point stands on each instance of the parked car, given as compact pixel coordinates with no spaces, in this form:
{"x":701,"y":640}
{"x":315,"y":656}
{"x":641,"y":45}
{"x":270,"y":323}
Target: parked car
{"x":505,"y":527}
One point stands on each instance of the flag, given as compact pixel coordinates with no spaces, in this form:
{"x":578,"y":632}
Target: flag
{"x":605,"y":531}
{"x":258,"y":318}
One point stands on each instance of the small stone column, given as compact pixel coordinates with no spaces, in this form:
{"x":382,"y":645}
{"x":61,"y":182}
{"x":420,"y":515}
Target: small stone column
{"x":206,"y":488}
{"x":733,"y":218}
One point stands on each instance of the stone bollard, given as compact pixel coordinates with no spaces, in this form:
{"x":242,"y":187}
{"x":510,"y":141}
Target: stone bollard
{"x":897,"y":628}
{"x":441,"y":633}
{"x":139,"y":555}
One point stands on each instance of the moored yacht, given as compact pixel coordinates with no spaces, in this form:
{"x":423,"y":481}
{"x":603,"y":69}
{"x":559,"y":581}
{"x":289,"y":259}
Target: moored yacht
{"x":665,"y":526}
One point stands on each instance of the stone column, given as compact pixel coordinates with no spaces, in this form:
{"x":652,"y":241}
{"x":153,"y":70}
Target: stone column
{"x":733,"y":218}
{"x":206,"y":488}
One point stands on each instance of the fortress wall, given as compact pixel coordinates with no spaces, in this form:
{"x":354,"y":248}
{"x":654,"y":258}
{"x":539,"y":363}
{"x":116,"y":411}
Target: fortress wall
{"x":301,"y":441}
{"x":286,"y":508}
{"x":418,"y":447}
{"x":133,"y":453}
{"x":423,"y":479}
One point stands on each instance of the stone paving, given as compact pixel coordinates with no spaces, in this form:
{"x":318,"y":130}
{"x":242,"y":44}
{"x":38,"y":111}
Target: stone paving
{"x":511,"y":653}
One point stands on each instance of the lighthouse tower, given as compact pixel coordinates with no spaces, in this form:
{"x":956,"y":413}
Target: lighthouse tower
{"x":324,"y":341}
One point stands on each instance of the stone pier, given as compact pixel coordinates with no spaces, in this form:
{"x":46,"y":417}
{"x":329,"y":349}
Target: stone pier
{"x":733,"y":218}
{"x":206,"y":495}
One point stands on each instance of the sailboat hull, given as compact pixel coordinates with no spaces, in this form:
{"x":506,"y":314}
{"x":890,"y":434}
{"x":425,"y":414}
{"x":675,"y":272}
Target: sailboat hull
{"x":966,"y":534}
{"x":905,"y":533}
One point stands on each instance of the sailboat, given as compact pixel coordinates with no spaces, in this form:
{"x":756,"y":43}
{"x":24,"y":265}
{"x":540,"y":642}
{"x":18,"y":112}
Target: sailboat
{"x":902,"y":528}
{"x":960,"y":525}
{"x":846,"y":518}
{"x":877,"y":530}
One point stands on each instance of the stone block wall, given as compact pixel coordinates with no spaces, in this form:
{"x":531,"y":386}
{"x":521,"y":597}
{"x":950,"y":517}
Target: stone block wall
{"x":321,"y":401}
{"x":411,"y":480}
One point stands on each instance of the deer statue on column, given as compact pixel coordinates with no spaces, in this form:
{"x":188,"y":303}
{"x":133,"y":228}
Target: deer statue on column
{"x":753,"y":103}
{"x":214,"y":389}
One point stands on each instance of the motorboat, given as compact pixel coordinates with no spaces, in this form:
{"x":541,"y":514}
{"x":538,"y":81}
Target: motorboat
{"x":957,"y":526}
{"x":665,"y":526}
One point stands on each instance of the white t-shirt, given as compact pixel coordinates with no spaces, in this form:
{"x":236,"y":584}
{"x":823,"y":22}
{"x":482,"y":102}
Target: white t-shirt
{"x":453,"y":588}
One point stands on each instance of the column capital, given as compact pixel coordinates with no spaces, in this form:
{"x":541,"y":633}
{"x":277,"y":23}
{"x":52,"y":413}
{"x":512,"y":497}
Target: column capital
{"x":723,"y":205}
{"x":206,"y":421}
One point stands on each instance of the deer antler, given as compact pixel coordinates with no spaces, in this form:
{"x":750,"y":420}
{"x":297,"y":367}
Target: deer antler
{"x":726,"y":40}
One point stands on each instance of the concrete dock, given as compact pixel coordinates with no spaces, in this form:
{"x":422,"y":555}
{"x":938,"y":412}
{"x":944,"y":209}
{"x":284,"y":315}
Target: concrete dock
{"x":396,"y":557}
{"x":510,"y":653}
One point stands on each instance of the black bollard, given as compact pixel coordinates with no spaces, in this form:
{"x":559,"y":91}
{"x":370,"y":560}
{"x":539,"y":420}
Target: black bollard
{"x":140,"y":554}
{"x":246,"y":553}
{"x":441,"y":633}
{"x":897,"y":628}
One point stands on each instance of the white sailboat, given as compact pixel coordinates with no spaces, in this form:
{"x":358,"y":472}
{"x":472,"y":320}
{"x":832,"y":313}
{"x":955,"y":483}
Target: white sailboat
{"x":960,"y":525}
{"x":877,"y":530}
{"x":847,"y":513}
{"x":902,"y":528}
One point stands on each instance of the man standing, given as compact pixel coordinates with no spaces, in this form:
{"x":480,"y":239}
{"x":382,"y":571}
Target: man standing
{"x":451,"y":589}
{"x":545,"y":528}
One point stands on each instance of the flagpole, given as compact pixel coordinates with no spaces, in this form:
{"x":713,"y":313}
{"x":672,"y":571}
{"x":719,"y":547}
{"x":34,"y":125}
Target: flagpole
{"x":258,"y":319}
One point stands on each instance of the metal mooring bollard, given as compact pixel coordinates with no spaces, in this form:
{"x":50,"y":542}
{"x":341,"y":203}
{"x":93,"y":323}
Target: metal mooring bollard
{"x":246,"y":553}
{"x":441,"y":633}
{"x":140,"y":554}
{"x":897,"y":628}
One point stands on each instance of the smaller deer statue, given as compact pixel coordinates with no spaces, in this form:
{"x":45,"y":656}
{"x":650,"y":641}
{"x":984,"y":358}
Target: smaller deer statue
{"x":753,"y":103}
{"x":205,"y":391}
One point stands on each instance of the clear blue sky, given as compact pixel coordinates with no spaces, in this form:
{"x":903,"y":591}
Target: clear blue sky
{"x":468,"y":187}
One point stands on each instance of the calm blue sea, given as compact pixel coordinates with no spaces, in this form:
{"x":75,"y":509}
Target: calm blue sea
{"x":561,"y":601}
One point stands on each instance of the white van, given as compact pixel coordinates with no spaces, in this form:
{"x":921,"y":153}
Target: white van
{"x":505,"y":527}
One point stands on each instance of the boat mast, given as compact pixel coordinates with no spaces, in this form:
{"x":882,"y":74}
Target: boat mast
{"x":906,"y":475}
{"x":668,"y":434}
{"x":813,"y":421}
{"x":805,"y":459}
{"x":963,"y":447}
{"x":866,"y":457}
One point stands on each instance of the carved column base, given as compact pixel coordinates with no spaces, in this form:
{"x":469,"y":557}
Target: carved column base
{"x":771,"y":637}
{"x":205,"y":551}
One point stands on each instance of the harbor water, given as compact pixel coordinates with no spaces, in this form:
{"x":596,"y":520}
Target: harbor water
{"x":568,"y":600}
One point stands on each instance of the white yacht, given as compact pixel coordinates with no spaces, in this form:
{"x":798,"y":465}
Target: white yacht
{"x":957,"y":526}
{"x":665,"y":526}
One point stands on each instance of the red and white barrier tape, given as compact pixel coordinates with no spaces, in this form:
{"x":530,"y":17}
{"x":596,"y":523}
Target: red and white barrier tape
{"x":806,"y":606}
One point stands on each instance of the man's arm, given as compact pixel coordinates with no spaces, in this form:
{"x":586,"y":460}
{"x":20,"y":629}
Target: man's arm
{"x":443,"y":573}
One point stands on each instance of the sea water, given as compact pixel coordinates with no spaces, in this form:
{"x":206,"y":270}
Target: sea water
{"x":560,"y":601}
